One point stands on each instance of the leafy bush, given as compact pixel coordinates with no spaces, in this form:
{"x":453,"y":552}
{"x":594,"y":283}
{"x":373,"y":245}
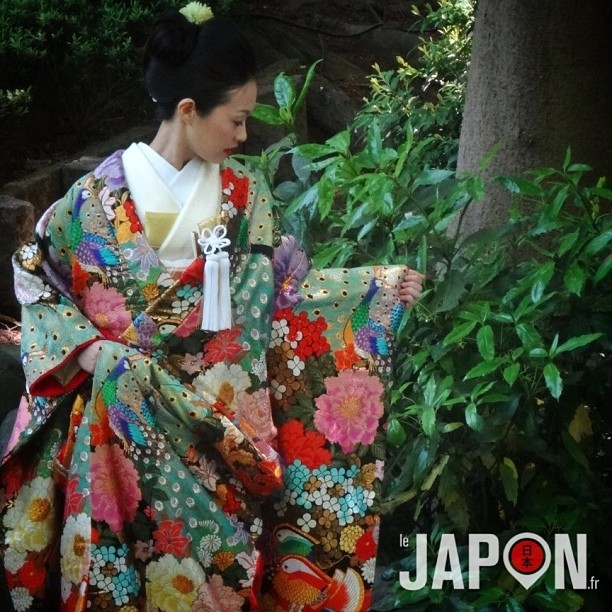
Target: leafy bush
{"x":79,"y":60}
{"x":428,"y":95}
{"x":500,"y":421}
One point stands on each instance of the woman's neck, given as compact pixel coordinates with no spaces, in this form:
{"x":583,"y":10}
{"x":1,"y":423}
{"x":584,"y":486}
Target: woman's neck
{"x":169,"y":143}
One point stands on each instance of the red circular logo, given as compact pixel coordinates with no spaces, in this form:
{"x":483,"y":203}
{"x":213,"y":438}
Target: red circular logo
{"x":527,"y":556}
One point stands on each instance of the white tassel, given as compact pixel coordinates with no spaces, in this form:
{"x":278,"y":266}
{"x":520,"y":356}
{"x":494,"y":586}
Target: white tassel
{"x":216,"y":303}
{"x":225,"y":305}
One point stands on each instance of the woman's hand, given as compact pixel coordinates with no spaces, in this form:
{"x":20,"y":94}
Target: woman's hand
{"x":411,"y":288}
{"x":89,"y":355}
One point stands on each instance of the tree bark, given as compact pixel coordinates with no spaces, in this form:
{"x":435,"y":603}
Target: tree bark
{"x":540,"y":81}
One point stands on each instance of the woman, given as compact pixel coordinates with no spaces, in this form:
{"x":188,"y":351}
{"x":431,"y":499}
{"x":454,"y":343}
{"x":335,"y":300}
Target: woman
{"x":142,"y":450}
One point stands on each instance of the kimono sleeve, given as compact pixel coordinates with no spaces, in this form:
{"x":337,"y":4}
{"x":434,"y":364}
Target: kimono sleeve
{"x":53,"y":329}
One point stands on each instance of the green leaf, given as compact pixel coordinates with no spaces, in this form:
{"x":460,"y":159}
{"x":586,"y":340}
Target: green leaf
{"x":486,"y":342}
{"x":488,"y":597}
{"x":284,"y":91}
{"x":326,"y":190}
{"x":577,"y":342}
{"x":458,"y":333}
{"x":313,"y":151}
{"x":432,"y":176}
{"x":428,"y":420}
{"x":396,"y":434}
{"x":473,"y":419}
{"x":574,"y":278}
{"x":509,"y":478}
{"x":435,"y":472}
{"x":579,"y":168}
{"x":599,"y":243}
{"x":528,"y":335}
{"x":603,"y":270}
{"x":567,"y":242}
{"x":512,"y":605}
{"x":574,"y":449}
{"x":541,"y":279}
{"x":306,"y":86}
{"x":520,"y":186}
{"x":484,"y":368}
{"x":553,"y":380}
{"x":511,"y":373}
{"x":340,"y":142}
{"x":450,"y":427}
{"x":374,"y":141}
{"x":267,"y":114}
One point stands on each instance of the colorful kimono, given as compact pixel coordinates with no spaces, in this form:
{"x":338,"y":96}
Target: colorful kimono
{"x":138,"y":486}
{"x":141,"y":486}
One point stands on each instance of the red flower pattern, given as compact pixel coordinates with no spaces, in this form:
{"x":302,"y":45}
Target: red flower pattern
{"x":307,"y":333}
{"x":239,"y":187}
{"x":169,"y":538}
{"x":365,"y":547}
{"x":130,"y":211}
{"x":307,"y":446}
{"x":32,"y":575}
{"x":223,"y":347}
{"x":346,"y":358}
{"x":74,"y":498}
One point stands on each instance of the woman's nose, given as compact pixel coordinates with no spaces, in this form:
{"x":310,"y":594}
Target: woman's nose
{"x":242,"y":133}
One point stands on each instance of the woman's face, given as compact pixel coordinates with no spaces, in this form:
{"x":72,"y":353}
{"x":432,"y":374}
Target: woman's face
{"x":216,"y":135}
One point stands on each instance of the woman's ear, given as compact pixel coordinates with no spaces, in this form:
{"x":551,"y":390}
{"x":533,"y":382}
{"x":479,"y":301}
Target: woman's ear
{"x":186,"y":110}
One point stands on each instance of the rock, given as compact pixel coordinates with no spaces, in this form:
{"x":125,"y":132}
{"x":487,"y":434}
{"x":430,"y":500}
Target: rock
{"x":13,"y":386}
{"x":41,"y":188}
{"x":330,"y":109}
{"x":17,"y":219}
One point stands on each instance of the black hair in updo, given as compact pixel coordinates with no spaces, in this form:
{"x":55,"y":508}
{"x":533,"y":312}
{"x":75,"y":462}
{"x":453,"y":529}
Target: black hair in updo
{"x":204,"y":62}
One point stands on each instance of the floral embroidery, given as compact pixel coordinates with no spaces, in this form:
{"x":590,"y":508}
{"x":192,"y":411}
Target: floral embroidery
{"x":32,"y":516}
{"x":349,"y":412}
{"x":290,"y":267}
{"x":76,"y":548}
{"x":308,"y":447}
{"x":222,"y":383}
{"x":112,"y":471}
{"x":254,"y":413}
{"x":224,"y":347}
{"x":111,"y":169}
{"x":130,"y":211}
{"x":80,"y":276}
{"x":105,"y":306}
{"x":111,"y":575}
{"x":214,"y":596}
{"x":169,"y":538}
{"x":192,"y":363}
{"x":235,"y":191}
{"x":347,"y":357}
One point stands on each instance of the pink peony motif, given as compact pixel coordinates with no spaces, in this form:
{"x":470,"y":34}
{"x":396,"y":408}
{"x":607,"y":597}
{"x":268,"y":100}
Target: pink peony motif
{"x":105,"y":307}
{"x":214,"y":596}
{"x":350,"y":410}
{"x":254,"y":413}
{"x":114,"y":486}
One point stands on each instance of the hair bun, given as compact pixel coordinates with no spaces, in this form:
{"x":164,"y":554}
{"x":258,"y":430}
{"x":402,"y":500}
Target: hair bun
{"x":172,"y":39}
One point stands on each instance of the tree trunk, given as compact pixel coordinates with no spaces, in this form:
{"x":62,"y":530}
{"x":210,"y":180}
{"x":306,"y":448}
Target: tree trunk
{"x":540,"y":81}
